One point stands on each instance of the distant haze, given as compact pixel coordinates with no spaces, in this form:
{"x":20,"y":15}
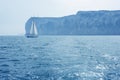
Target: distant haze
{"x":14,"y":13}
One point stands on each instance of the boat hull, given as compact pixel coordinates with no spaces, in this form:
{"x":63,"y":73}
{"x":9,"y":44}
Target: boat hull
{"x":31,"y":36}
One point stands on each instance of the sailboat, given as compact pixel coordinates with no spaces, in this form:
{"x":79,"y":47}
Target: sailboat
{"x":33,"y":31}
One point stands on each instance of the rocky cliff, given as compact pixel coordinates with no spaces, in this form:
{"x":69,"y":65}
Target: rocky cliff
{"x":83,"y":23}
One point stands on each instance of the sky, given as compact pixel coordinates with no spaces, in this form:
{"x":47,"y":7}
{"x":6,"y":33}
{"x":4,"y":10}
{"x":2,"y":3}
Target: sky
{"x":15,"y":13}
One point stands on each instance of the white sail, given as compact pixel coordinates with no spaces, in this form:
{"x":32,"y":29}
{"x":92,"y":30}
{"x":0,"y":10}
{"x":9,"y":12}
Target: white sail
{"x":33,"y":30}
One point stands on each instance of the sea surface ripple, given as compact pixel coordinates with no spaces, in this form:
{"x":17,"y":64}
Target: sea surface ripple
{"x":60,"y":58}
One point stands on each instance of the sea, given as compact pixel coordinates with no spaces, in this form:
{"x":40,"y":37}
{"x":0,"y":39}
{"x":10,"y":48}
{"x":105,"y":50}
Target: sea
{"x":60,"y":58}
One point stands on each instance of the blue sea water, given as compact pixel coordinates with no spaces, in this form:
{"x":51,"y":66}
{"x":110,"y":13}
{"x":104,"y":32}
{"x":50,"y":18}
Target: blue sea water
{"x":60,"y":58}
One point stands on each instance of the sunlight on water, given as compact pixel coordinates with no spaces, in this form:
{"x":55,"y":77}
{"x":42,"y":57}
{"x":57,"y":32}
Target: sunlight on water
{"x":60,"y":58}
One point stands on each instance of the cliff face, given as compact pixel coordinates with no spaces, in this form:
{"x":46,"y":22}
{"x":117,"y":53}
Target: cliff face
{"x":83,"y":23}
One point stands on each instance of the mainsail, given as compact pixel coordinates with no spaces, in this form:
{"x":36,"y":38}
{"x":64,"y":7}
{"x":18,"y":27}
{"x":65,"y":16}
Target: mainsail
{"x":33,"y":30}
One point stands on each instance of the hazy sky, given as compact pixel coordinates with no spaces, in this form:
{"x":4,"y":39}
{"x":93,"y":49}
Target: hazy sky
{"x":14,"y":13}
